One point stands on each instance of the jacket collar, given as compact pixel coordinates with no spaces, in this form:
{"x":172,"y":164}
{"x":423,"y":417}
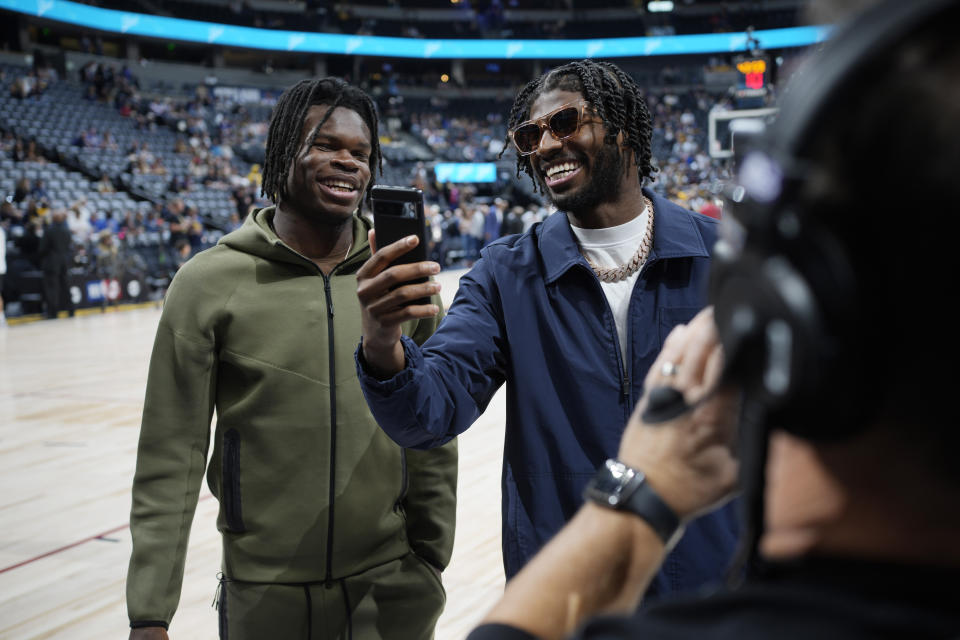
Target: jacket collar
{"x":674,"y":236}
{"x":256,"y":236}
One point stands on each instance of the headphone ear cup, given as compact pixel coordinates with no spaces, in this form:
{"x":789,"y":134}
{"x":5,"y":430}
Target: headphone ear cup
{"x":778,"y":308}
{"x":758,"y":328}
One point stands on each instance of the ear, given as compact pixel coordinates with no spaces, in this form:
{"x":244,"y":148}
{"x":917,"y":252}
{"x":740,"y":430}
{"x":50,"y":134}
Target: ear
{"x":628,"y":154}
{"x":621,"y":140}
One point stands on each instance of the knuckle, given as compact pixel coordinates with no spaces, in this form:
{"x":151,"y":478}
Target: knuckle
{"x":389,"y":277}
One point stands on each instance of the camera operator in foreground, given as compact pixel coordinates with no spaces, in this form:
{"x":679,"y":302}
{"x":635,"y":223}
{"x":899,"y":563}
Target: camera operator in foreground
{"x":845,"y":431}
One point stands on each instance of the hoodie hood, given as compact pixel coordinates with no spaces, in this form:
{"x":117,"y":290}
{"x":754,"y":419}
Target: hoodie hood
{"x":257,"y":237}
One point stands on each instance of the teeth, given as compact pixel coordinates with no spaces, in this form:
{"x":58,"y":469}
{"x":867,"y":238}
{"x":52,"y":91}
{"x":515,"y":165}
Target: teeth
{"x":339,"y":185}
{"x":563,"y":167}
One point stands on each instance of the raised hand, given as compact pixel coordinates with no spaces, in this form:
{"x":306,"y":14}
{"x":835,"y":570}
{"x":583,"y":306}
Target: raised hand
{"x":385,"y":302}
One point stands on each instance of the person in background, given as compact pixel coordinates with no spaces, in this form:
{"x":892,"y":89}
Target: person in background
{"x":3,"y":268}
{"x":56,"y":256}
{"x":493,"y":220}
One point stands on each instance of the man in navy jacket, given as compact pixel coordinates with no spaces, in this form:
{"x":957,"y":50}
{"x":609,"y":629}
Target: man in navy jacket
{"x":570,"y":314}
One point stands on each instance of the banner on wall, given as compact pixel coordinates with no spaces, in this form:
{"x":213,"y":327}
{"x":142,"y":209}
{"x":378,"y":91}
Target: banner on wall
{"x":139,"y":24}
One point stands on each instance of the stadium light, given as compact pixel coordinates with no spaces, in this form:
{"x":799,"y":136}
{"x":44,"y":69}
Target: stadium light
{"x":660,"y":6}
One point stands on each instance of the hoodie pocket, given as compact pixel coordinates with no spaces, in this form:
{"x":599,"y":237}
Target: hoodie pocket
{"x":232,"y":509}
{"x":404,"y":483}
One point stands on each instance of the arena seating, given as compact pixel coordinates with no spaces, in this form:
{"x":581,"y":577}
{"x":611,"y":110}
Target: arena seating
{"x":162,"y":121}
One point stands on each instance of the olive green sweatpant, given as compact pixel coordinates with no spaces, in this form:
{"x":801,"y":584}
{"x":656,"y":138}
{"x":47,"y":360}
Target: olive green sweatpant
{"x":400,"y":600}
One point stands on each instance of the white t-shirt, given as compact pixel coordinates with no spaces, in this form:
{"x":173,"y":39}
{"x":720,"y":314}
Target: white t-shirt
{"x":612,"y":247}
{"x":477,"y":223}
{"x":80,"y":227}
{"x":3,"y":253}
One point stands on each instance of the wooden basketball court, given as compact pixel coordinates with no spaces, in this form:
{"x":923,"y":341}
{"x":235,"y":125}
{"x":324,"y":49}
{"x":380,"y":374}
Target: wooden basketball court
{"x":71,"y":393}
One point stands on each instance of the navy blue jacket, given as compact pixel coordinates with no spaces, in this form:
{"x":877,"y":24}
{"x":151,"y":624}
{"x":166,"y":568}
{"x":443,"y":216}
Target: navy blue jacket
{"x":532,"y":313}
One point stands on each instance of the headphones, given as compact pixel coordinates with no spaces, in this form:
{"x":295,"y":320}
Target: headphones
{"x":783,"y":284}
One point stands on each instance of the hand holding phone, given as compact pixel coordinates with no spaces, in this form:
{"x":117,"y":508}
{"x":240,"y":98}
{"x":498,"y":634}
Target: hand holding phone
{"x":393,"y":285}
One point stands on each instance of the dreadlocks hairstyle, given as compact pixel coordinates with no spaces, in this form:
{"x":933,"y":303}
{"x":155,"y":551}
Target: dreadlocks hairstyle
{"x":283,"y":137}
{"x":611,"y":92}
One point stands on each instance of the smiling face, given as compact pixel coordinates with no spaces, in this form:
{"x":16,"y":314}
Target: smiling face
{"x":579,"y":172}
{"x":331,"y":171}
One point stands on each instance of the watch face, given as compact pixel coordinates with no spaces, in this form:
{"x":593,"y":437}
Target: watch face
{"x":607,"y":485}
{"x":617,"y":486}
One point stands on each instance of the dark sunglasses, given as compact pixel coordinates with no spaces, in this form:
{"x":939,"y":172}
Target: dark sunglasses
{"x":563,"y":122}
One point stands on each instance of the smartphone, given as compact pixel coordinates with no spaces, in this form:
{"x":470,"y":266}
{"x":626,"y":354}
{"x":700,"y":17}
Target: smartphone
{"x":398,"y":213}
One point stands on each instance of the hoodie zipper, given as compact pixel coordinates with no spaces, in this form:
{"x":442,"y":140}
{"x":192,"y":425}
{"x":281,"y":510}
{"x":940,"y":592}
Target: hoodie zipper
{"x":329,"y":582}
{"x":333,"y":425}
{"x":404,"y":482}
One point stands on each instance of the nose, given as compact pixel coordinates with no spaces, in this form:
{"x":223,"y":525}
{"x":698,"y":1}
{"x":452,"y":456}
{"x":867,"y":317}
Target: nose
{"x":345,"y":161}
{"x":547,"y":143}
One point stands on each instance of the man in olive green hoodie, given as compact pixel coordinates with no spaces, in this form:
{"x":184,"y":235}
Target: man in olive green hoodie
{"x":330,"y":530}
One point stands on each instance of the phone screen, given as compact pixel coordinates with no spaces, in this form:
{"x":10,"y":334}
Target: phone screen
{"x":396,"y":209}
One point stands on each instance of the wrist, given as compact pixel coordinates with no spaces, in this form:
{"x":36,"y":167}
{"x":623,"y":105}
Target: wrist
{"x":625,"y":489}
{"x":382,"y":361}
{"x":629,"y":548}
{"x":627,"y":531}
{"x":669,"y":488}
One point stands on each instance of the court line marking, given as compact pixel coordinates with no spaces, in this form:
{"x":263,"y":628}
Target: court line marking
{"x":77,"y":543}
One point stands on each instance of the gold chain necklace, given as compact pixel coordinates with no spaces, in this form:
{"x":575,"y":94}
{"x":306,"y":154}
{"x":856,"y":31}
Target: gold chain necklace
{"x":624,"y":271}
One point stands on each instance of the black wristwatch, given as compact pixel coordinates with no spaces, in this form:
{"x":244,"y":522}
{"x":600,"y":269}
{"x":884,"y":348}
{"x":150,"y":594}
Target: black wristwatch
{"x":617,"y":486}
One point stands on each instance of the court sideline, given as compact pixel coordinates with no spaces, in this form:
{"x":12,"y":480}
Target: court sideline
{"x":71,"y":394}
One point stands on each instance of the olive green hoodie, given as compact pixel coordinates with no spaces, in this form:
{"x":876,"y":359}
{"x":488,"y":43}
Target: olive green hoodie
{"x":310,"y":488}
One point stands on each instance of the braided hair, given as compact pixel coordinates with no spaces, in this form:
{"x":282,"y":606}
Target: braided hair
{"x":613,"y":94}
{"x":286,"y":122}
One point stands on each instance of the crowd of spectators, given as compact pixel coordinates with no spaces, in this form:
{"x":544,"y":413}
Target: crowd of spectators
{"x":20,"y":150}
{"x":688,"y":175}
{"x":460,"y":138}
{"x":211,"y":131}
{"x":457,"y":234}
{"x":31,"y":84}
{"x":147,"y":242}
{"x":105,"y":83}
{"x":207,"y":129}
{"x":125,"y":237}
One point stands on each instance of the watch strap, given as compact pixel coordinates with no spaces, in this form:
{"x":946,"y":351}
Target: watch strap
{"x":622,"y":488}
{"x":648,"y":505}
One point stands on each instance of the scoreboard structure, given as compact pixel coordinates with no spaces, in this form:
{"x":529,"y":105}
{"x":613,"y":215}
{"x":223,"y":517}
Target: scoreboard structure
{"x":753,"y":77}
{"x":724,"y":127}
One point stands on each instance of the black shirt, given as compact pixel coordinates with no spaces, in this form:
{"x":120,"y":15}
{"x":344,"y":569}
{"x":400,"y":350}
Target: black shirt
{"x":817,"y":599}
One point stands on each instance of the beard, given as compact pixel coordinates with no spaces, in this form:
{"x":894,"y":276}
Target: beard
{"x":604,"y":185}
